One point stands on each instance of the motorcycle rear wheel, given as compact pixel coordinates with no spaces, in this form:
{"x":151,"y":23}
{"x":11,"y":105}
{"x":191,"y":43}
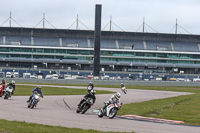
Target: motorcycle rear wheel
{"x":100,"y":114}
{"x":78,"y":110}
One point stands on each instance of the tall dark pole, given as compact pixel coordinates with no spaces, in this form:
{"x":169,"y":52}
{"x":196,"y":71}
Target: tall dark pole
{"x":97,"y":40}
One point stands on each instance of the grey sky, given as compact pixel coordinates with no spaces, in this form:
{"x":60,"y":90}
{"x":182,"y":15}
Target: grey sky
{"x":127,"y":14}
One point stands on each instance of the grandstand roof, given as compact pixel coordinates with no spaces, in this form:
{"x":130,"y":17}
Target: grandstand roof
{"x":104,"y":34}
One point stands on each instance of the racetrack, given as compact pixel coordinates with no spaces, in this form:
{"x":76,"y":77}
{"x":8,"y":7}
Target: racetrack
{"x":52,"y":110}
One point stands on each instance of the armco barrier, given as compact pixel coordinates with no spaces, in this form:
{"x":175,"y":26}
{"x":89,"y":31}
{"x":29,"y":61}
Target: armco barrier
{"x":104,"y":82}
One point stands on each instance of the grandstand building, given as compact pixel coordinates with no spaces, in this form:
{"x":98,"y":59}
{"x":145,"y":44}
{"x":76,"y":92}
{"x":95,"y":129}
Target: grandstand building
{"x":120,"y":51}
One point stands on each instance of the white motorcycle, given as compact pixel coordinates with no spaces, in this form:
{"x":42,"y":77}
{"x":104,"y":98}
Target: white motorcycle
{"x":124,"y":90}
{"x":111,"y":110}
{"x":8,"y":92}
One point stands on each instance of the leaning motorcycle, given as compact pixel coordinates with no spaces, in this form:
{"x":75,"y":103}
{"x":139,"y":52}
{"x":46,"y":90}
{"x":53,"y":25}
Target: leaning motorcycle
{"x":85,"y":105}
{"x":8,"y":92}
{"x":124,"y":90}
{"x":33,"y":102}
{"x":111,"y":110}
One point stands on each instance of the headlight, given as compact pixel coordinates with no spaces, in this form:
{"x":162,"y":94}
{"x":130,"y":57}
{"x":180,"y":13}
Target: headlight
{"x":36,"y":97}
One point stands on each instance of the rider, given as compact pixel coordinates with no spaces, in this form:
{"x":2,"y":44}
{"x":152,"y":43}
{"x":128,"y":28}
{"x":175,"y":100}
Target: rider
{"x":90,"y":87}
{"x":122,"y":85}
{"x":113,"y":99}
{"x":12,"y":83}
{"x":38,"y":89}
{"x":3,"y":83}
{"x":91,"y":94}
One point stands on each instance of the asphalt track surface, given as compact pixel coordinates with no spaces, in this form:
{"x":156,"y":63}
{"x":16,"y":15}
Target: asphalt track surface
{"x":52,"y":110}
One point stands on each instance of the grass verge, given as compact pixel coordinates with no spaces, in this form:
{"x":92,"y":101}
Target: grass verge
{"x":23,"y":127}
{"x":24,"y":90}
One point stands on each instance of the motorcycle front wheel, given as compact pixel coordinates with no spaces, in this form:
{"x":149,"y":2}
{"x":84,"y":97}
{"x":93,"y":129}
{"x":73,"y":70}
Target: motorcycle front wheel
{"x":33,"y":105}
{"x":85,"y":108}
{"x":6,"y":96}
{"x":113,"y":113}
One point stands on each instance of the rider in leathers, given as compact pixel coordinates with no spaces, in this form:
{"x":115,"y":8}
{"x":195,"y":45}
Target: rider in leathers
{"x":91,"y":94}
{"x":3,"y":83}
{"x":38,"y":90}
{"x":90,"y":87}
{"x":13,"y":85}
{"x":113,"y":99}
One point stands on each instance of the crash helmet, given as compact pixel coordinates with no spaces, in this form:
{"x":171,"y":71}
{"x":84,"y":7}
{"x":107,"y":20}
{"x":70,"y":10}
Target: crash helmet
{"x":92,"y":92}
{"x":39,"y":87}
{"x":122,"y":84}
{"x":118,"y":95}
{"x":13,"y":82}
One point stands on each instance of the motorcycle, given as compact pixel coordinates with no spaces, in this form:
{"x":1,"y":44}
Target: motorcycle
{"x":85,"y":105}
{"x":33,"y":102}
{"x":8,"y":92}
{"x":124,"y":90}
{"x":111,"y":110}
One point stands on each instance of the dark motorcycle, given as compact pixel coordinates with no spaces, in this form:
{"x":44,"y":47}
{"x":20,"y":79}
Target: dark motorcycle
{"x":85,"y":105}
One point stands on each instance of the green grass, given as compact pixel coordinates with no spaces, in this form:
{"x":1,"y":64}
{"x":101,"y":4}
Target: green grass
{"x":23,"y":127}
{"x":184,"y":108}
{"x":23,"y":90}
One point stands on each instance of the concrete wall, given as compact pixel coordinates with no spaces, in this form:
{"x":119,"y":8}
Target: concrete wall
{"x":106,"y":82}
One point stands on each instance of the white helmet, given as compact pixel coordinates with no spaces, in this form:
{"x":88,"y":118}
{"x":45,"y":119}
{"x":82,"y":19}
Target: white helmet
{"x":39,"y":87}
{"x":13,"y":82}
{"x":118,"y":95}
{"x":92,"y":92}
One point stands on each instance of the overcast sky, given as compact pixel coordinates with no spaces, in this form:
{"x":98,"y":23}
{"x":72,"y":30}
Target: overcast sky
{"x":127,"y":14}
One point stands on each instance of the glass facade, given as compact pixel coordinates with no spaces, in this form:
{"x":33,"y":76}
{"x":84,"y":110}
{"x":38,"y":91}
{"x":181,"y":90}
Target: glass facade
{"x":106,"y":55}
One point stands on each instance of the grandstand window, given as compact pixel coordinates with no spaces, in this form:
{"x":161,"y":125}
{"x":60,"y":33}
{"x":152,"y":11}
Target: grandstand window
{"x":161,"y":55}
{"x":4,"y":49}
{"x":59,"y":57}
{"x":27,"y":50}
{"x":14,"y":55}
{"x":26,"y":56}
{"x":3,"y":55}
{"x":84,"y":52}
{"x":63,"y":51}
{"x":38,"y":50}
{"x":37,"y":56}
{"x":48,"y":56}
{"x":150,"y":54}
{"x":105,"y":53}
{"x":72,"y":51}
{"x":161,"y":61}
{"x":139,"y":54}
{"x":48,"y":50}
